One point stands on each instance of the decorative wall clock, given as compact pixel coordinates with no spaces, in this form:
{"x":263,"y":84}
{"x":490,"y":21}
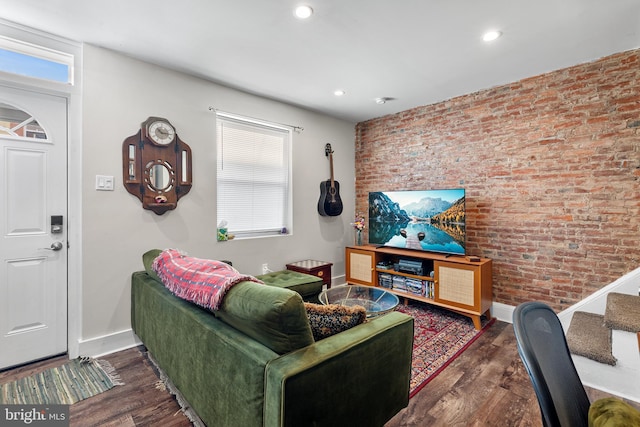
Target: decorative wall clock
{"x":156,"y":165}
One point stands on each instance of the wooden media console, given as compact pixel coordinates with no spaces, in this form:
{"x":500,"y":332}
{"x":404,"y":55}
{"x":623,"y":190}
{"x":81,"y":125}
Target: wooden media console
{"x":455,"y":282}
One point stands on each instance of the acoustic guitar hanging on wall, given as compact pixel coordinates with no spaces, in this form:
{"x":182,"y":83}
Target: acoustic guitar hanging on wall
{"x":330,"y":203}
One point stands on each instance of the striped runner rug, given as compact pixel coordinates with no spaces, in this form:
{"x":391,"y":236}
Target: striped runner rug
{"x":72,"y":382}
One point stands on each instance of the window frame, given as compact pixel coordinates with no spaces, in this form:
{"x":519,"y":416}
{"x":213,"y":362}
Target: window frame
{"x":287,"y":196}
{"x":39,"y":53}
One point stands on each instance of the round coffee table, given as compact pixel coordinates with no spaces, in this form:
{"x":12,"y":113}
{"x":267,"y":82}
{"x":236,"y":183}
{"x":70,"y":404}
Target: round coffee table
{"x":376,"y":301}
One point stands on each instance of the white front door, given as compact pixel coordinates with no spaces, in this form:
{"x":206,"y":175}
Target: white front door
{"x":33,"y":251}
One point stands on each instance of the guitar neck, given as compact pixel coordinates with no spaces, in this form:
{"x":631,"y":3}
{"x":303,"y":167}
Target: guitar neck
{"x":331,"y":169}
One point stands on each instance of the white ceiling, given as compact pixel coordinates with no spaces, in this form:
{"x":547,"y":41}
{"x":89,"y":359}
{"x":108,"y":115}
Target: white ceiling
{"x":417,"y":52}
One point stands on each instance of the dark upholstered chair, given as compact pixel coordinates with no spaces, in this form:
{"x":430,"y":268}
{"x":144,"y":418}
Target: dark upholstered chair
{"x":563,"y":401}
{"x":543,"y":349}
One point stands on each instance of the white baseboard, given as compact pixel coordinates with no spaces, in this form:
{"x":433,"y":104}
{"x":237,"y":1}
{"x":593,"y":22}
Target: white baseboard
{"x":122,"y":340}
{"x":107,"y":344}
{"x":339,"y":280}
{"x":502,"y":312}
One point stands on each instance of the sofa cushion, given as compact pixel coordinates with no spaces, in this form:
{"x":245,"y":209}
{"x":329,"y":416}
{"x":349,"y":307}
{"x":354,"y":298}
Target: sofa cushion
{"x":273,"y":316}
{"x":305,"y":284}
{"x":330,"y":319}
{"x":147,"y":260}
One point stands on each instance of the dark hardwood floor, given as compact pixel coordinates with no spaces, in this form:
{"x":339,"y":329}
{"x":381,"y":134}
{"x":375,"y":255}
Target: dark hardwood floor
{"x":486,"y":386}
{"x":139,"y":402}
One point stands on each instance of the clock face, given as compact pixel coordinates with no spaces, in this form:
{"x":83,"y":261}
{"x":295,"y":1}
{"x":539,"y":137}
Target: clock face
{"x":161,"y":132}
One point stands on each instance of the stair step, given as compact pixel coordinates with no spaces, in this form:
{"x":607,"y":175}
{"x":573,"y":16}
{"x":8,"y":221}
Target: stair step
{"x":623,"y":379}
{"x":625,"y":349}
{"x":589,"y":337}
{"x":623,"y":312}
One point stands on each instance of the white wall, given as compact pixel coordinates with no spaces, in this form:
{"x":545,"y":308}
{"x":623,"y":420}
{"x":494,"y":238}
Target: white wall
{"x":118,"y":94}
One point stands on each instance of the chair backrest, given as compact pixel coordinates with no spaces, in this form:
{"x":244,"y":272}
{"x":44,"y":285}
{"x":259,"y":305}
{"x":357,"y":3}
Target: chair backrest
{"x":543,"y":349}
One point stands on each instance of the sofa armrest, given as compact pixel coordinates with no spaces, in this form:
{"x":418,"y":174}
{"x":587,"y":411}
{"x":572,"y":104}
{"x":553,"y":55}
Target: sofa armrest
{"x":216,"y":368}
{"x":357,"y":377}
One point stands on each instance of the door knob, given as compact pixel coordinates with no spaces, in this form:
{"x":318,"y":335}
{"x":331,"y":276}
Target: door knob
{"x":55,"y":246}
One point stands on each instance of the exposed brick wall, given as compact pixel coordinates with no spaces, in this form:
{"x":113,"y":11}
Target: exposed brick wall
{"x":551,"y":168}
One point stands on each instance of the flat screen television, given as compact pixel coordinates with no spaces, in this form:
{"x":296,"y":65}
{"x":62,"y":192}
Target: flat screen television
{"x":426,"y":220}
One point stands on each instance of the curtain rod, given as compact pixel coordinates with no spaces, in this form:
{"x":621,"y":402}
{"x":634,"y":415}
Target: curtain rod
{"x":297,"y":129}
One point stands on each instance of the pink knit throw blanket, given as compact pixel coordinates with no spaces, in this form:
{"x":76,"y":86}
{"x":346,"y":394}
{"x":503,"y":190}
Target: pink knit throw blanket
{"x":201,"y":281}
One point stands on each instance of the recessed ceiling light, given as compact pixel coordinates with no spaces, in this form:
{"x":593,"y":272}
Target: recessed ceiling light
{"x":490,"y":36}
{"x":382,"y":100}
{"x":339,"y":92}
{"x":303,"y":12}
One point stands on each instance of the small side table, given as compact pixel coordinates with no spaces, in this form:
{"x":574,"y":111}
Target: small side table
{"x":321,"y":269}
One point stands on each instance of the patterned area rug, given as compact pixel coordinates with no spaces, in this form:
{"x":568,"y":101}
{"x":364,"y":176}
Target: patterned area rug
{"x":439,"y":337}
{"x":72,"y":382}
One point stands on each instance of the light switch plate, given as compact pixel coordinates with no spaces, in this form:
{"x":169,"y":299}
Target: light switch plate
{"x":104,"y":183}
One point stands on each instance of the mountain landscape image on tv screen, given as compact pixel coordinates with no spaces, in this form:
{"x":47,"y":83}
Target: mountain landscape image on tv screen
{"x":429,"y":220}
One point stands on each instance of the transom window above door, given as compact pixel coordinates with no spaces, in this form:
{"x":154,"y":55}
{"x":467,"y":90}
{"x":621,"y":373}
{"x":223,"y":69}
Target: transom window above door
{"x":30,"y":60}
{"x":19,"y":124}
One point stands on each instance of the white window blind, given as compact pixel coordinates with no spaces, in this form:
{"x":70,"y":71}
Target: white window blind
{"x":253,"y":176}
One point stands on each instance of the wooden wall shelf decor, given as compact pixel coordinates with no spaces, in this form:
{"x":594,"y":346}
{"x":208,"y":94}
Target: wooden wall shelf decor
{"x":156,"y":165}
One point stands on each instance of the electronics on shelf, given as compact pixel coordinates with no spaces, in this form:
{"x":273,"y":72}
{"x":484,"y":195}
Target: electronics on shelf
{"x":387,"y":265}
{"x":409,"y":266}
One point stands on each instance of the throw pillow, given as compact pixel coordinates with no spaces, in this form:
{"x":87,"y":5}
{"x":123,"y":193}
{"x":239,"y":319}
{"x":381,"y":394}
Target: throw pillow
{"x":330,"y":319}
{"x":613,"y":412}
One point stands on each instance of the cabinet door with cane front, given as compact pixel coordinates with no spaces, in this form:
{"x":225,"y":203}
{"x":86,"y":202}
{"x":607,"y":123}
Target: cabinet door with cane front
{"x":360,"y":267}
{"x":457,"y":285}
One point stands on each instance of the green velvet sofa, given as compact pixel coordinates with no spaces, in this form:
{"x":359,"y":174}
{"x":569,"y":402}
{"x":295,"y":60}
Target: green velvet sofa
{"x":255,"y":363}
{"x":308,"y":286}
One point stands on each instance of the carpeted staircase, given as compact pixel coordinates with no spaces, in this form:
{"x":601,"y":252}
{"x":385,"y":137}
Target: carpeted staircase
{"x":602,"y":333}
{"x":590,"y":334}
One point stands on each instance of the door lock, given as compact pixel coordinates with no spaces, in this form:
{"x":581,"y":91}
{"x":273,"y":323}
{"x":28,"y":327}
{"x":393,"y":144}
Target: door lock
{"x":56,"y":224}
